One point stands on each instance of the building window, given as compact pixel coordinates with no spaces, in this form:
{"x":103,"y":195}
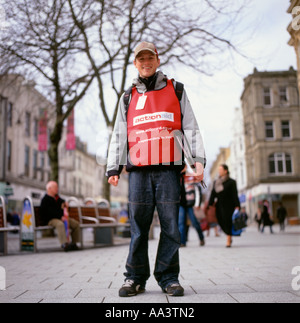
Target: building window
{"x":283,"y":94}
{"x":42,"y":163}
{"x":74,"y":185}
{"x":27,"y":124}
{"x":280,"y":164}
{"x":9,"y":114}
{"x":285,"y":129}
{"x":36,"y":130}
{"x":27,"y":159}
{"x":9,"y":153}
{"x":269,"y":128}
{"x":35,"y":163}
{"x":80,"y":187}
{"x":267,"y":96}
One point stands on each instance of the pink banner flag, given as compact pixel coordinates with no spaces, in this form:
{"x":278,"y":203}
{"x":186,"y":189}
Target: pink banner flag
{"x":43,"y":131}
{"x":71,"y":140}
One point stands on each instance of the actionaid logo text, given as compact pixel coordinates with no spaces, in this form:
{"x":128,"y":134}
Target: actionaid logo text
{"x":152,"y":117}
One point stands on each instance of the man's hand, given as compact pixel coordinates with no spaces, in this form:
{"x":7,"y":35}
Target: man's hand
{"x":114,"y":180}
{"x":199,"y":172}
{"x":64,"y":218}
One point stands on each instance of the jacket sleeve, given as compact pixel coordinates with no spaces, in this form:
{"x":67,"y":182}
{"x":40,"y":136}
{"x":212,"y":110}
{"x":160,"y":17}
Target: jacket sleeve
{"x":117,"y":153}
{"x":198,"y":194}
{"x":191,"y":130}
{"x":235,"y":194}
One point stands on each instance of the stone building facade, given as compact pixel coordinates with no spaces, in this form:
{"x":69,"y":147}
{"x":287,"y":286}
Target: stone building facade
{"x":271,"y":113}
{"x":25,"y":167}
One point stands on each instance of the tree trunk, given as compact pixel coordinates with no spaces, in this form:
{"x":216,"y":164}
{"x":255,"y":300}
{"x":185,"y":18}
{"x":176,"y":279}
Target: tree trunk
{"x":53,"y":153}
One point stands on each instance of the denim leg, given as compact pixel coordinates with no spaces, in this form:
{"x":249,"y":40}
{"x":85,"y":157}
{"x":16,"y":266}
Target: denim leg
{"x":167,"y":195}
{"x":182,"y":224}
{"x":195,"y":222}
{"x":141,"y":209}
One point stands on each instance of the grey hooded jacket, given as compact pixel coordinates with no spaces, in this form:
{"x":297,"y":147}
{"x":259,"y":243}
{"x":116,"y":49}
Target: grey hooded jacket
{"x":118,"y":149}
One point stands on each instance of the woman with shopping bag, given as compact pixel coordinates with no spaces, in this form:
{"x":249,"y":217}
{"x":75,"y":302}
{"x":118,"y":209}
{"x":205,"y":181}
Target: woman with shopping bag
{"x":224,"y":196}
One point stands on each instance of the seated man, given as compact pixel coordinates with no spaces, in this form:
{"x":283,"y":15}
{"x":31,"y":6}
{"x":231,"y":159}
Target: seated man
{"x":52,"y":213}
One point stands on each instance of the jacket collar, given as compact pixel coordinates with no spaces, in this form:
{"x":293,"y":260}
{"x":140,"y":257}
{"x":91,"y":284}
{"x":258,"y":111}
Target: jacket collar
{"x":161,"y":79}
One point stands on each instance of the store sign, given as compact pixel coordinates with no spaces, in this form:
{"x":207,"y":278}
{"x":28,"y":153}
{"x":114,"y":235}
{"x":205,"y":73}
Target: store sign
{"x":27,"y":229}
{"x":6,"y":189}
{"x":242,"y":198}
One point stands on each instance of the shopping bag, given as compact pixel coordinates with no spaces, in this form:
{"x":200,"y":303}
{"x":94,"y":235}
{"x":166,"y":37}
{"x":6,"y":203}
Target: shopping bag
{"x":236,"y":231}
{"x":204,"y":225}
{"x":238,"y":221}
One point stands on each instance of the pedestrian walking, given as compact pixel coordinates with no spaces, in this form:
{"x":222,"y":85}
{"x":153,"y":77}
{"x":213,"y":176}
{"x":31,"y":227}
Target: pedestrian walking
{"x":281,"y":216}
{"x":52,"y":214}
{"x":149,"y":114}
{"x":190,"y":198}
{"x":211,"y":218}
{"x":257,"y":218}
{"x":266,"y":219}
{"x":244,"y":215}
{"x":225,"y":197}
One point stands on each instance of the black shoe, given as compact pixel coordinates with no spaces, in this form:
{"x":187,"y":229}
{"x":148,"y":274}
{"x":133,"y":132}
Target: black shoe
{"x":67,"y":247}
{"x":130,"y":288}
{"x":174,"y":290}
{"x":74,"y":247}
{"x":70,"y":247}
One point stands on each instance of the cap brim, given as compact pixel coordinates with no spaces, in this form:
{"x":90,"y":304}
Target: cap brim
{"x":145,"y":50}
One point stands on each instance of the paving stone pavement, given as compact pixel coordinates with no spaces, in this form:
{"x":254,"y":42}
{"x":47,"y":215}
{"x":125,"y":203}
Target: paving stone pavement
{"x":257,"y":269}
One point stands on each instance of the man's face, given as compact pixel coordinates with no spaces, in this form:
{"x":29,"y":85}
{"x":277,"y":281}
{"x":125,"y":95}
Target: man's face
{"x":54,"y":189}
{"x":146,"y":63}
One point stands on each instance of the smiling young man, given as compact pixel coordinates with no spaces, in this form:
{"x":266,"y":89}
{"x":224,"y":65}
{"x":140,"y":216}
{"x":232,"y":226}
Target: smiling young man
{"x":149,"y":115}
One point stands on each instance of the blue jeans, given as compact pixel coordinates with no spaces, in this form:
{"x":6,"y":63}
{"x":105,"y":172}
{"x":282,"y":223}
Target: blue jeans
{"x":182,"y":223}
{"x":149,"y":189}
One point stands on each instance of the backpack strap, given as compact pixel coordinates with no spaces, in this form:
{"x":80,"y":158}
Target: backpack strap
{"x":179,"y":90}
{"x":126,"y":98}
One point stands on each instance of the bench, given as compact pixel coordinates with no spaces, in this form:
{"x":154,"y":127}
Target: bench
{"x":294,"y":221}
{"x":4,"y":229}
{"x":90,"y":215}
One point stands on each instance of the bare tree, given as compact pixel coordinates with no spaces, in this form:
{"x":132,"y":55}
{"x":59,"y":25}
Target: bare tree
{"x":186,"y":33}
{"x":67,"y":44}
{"x":41,"y":42}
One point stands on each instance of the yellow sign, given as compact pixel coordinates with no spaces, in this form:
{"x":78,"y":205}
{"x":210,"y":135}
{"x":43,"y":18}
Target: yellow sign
{"x":27,"y":220}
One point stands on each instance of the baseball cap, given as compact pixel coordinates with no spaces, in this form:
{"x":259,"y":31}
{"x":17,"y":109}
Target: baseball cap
{"x":145,"y":46}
